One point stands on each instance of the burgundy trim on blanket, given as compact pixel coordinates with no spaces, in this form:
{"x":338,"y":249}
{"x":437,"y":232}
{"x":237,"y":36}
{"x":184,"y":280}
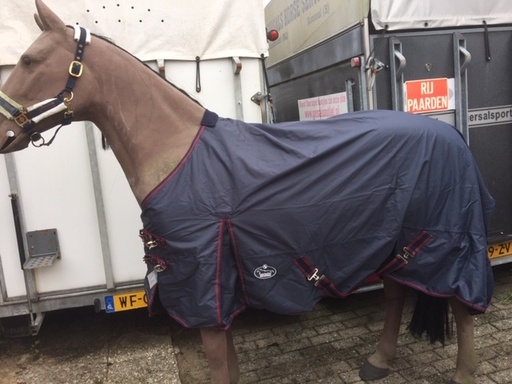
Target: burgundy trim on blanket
{"x":476,"y":308}
{"x":237,"y":260}
{"x":218,"y":288}
{"x":218,"y":292}
{"x":175,"y":170}
{"x":179,"y":320}
{"x":232,"y":317}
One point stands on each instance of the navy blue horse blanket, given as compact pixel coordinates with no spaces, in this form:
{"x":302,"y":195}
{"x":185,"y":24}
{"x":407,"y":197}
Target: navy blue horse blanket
{"x":279,"y":216}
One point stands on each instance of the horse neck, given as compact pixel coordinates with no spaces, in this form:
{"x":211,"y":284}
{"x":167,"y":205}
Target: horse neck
{"x":148,"y":123}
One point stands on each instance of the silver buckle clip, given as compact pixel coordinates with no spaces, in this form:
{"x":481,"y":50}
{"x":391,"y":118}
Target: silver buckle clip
{"x":405,"y":257}
{"x":407,"y":254}
{"x":315,"y":277}
{"x":151,"y":244}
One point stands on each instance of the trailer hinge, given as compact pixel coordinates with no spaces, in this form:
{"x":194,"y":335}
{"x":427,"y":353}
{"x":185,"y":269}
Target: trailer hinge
{"x":258,"y":97}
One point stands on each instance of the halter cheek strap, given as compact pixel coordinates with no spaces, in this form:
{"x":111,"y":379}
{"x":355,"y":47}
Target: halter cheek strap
{"x":28,"y":117}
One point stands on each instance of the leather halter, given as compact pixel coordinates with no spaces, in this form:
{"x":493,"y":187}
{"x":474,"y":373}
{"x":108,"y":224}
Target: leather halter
{"x":28,"y":117}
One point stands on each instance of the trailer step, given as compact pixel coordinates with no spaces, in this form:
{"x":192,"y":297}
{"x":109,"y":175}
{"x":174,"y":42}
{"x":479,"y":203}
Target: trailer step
{"x":43,"y":248}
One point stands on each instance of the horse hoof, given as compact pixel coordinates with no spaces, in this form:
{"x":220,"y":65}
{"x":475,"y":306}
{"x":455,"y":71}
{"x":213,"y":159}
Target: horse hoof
{"x":369,"y":372}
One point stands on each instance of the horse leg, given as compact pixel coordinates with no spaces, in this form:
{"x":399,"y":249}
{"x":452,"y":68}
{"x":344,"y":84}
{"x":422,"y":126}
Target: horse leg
{"x":466,"y":355}
{"x":220,"y":352}
{"x":377,"y":365}
{"x":234,"y":369}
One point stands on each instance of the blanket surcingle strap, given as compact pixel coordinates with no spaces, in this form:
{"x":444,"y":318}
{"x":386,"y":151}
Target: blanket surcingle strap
{"x":321,"y":281}
{"x":277,"y":216}
{"x":409,"y":251}
{"x":415,"y":246}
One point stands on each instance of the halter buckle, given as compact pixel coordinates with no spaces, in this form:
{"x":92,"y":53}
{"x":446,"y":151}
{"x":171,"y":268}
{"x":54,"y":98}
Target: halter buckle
{"x":67,"y":100}
{"x":76,"y":68}
{"x":68,"y":116}
{"x":21,"y":119}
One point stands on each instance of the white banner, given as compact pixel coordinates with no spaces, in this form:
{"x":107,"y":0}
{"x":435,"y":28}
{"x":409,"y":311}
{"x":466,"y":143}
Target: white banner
{"x":322,"y":107}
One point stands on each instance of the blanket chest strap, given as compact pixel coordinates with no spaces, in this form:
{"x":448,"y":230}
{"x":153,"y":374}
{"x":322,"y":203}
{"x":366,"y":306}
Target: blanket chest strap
{"x":150,"y":240}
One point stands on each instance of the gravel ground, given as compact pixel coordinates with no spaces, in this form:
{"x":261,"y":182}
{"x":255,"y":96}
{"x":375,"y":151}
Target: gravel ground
{"x":328,"y":345}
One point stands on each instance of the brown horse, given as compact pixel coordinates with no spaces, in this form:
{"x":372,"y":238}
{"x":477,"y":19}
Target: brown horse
{"x":151,"y":126}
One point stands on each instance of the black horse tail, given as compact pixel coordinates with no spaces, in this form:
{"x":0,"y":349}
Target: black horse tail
{"x":431,"y":317}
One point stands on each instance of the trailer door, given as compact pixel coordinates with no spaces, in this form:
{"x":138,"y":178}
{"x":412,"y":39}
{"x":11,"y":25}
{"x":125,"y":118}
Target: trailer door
{"x":459,"y":76}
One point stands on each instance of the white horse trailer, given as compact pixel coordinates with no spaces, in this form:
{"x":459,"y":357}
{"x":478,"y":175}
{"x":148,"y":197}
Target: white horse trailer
{"x":446,"y":59}
{"x":68,"y":220}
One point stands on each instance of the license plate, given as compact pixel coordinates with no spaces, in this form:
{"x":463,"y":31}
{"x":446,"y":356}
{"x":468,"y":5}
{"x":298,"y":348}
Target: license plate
{"x":499,"y":250}
{"x":125,"y":301}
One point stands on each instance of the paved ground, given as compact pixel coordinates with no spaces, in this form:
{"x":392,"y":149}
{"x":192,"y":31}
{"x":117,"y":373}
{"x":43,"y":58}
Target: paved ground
{"x":325,"y":346}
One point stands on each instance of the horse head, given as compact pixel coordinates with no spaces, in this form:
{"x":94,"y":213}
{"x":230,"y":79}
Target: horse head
{"x":149,"y":123}
{"x":40,"y":93}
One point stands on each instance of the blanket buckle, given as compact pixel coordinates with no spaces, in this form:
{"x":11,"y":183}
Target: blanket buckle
{"x":315,"y":277}
{"x":415,"y":246}
{"x":160,"y":264}
{"x":150,"y":240}
{"x":405,"y":257}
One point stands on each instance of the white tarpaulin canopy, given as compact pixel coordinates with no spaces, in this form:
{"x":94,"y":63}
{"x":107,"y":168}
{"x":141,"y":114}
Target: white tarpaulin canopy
{"x":149,"y":29}
{"x":422,"y":14}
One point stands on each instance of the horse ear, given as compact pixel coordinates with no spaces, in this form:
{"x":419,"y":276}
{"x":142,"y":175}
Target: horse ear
{"x":46,"y":19}
{"x":38,"y":22}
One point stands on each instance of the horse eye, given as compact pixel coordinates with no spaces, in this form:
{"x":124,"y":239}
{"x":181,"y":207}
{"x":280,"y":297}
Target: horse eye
{"x":26,"y":60}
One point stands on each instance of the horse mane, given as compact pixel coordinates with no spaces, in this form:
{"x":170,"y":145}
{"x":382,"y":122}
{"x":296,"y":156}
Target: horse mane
{"x":104,"y":143}
{"x":111,"y":41}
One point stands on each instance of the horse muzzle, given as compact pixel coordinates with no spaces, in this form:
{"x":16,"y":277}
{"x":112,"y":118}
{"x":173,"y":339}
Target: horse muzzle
{"x":27,"y":117}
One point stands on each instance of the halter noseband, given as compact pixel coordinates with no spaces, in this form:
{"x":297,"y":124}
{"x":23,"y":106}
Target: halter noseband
{"x":28,"y":117}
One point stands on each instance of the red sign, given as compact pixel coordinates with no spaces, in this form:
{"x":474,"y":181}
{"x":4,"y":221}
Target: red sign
{"x":426,"y":95}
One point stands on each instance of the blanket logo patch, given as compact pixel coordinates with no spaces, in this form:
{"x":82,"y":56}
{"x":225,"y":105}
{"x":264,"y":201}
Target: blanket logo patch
{"x":265,"y":272}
